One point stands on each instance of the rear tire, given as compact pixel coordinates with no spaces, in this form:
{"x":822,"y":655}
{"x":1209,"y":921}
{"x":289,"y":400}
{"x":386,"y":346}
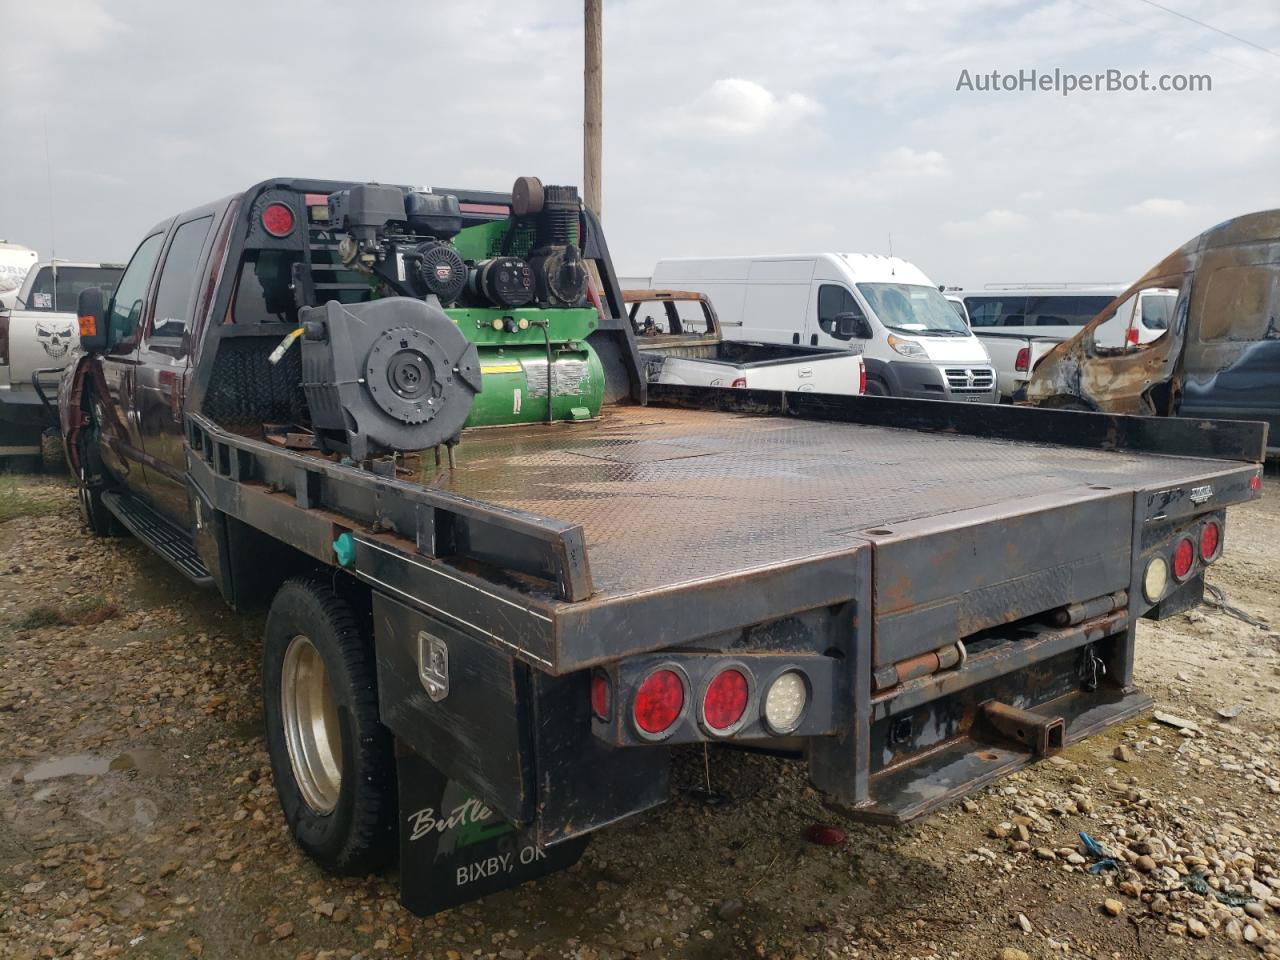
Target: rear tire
{"x":331,"y":757}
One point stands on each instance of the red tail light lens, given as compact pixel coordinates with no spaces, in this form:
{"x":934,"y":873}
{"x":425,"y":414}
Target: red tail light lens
{"x":739,"y":382}
{"x":1022,"y":360}
{"x":862,"y":379}
{"x":1184,"y":556}
{"x":1255,"y":482}
{"x":600,"y":695}
{"x":4,"y":339}
{"x":659,"y":701}
{"x":725,"y":700}
{"x":1131,"y":335}
{"x":277,"y":220}
{"x":1210,"y":541}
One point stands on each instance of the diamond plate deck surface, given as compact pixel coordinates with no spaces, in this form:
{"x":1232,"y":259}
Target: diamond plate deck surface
{"x":667,"y":496}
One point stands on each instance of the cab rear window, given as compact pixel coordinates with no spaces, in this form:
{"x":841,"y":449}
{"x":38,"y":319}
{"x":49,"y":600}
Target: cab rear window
{"x":61,"y":295}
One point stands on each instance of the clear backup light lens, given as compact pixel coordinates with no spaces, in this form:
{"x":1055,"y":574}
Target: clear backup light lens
{"x":785,"y":701}
{"x":1210,"y":542}
{"x":1155,"y":579}
{"x":1184,"y":558}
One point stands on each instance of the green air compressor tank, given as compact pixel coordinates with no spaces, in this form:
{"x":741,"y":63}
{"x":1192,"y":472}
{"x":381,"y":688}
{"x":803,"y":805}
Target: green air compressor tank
{"x":513,"y":347}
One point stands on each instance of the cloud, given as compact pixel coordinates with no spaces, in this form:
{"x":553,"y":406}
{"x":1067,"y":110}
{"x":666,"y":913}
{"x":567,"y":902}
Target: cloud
{"x":997,"y":221}
{"x":1076,"y":215}
{"x":906,"y":161}
{"x":1159,"y":207}
{"x":733,"y":108}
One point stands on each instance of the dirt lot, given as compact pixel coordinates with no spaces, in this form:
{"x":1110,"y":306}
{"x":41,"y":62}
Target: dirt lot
{"x":137,"y":816}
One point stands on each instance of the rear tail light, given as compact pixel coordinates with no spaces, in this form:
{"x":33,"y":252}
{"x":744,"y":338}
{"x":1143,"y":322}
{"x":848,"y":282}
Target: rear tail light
{"x":1210,"y":541}
{"x":784,"y":702}
{"x":725,"y":702}
{"x":739,"y":382}
{"x":600,"y":695}
{"x":1255,"y":482}
{"x":659,"y":702}
{"x":1131,"y":335}
{"x":1155,"y":579}
{"x":4,"y":339}
{"x":1022,"y":360}
{"x":277,"y":219}
{"x":862,"y":379}
{"x":1184,"y":558}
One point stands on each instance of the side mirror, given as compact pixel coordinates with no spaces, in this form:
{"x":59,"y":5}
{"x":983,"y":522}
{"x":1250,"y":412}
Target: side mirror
{"x":851,"y":326}
{"x":93,"y":319}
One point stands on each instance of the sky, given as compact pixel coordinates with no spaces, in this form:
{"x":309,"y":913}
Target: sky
{"x":730,"y":126}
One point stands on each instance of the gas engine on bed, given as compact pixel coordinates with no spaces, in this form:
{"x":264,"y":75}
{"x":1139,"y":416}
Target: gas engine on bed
{"x":465,"y":327}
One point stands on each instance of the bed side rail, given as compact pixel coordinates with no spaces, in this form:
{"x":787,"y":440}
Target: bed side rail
{"x":439,"y":524}
{"x":1239,"y":440}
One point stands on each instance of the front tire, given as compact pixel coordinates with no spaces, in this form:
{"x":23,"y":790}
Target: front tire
{"x":332,"y":759}
{"x":91,"y":485}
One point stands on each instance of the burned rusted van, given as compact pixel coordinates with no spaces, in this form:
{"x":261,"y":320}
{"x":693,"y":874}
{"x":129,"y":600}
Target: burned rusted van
{"x":1219,"y":357}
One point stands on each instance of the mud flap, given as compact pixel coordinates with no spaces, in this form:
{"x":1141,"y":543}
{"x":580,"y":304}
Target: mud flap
{"x":454,"y":849}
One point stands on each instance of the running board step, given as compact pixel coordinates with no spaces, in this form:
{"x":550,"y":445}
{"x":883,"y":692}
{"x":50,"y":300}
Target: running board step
{"x":159,"y":534}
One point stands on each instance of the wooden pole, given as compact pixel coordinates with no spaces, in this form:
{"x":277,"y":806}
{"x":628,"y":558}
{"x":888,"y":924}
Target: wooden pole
{"x":592,"y":108}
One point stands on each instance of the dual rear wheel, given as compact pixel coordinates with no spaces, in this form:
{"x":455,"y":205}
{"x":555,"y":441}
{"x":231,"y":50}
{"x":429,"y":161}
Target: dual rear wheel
{"x":331,"y":758}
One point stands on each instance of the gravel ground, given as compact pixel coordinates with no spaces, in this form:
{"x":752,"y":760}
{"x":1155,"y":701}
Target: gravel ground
{"x":137,"y":816}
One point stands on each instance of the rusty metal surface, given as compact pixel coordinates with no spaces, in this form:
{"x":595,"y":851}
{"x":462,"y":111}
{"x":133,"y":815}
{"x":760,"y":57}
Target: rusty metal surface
{"x":672,"y":496}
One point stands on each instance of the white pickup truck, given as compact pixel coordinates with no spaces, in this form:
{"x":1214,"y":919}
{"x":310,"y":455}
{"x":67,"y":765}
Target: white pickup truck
{"x":1013,"y":354}
{"x":678,"y":335}
{"x":37,"y":338}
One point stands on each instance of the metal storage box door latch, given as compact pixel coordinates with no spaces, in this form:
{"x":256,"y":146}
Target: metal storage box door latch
{"x":433,"y":665}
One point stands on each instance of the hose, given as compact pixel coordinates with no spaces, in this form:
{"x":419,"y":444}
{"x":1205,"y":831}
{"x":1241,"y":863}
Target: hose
{"x":546,"y":335}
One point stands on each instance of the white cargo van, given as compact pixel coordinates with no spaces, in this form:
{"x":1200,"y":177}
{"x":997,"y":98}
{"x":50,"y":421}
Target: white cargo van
{"x":913,"y":342}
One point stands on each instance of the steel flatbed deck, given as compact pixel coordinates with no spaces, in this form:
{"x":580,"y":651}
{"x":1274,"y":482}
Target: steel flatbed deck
{"x":668,"y":496}
{"x":708,"y":511}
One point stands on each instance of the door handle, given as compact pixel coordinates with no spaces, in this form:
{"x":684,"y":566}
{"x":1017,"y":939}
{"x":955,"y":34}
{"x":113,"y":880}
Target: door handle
{"x":795,"y":338}
{"x":813,"y":339}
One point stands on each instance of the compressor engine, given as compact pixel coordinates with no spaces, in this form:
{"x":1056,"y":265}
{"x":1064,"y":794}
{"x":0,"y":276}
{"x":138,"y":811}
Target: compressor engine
{"x":504,"y":298}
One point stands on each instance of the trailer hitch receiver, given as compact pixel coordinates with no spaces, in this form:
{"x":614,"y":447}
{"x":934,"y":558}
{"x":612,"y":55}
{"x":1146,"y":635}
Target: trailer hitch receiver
{"x":1044,"y":736}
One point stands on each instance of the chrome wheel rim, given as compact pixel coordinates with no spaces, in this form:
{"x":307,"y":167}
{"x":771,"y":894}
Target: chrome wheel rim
{"x":311,"y":729}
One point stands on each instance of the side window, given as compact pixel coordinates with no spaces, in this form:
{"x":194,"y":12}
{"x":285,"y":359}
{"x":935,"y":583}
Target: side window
{"x":126,"y":305}
{"x":1242,"y":304}
{"x":174,"y":294}
{"x":1068,"y":311}
{"x":995,"y":311}
{"x":833,"y":300}
{"x":1125,"y":329}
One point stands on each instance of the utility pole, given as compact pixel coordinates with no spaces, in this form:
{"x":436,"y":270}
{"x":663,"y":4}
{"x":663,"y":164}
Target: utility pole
{"x":592,"y":106}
